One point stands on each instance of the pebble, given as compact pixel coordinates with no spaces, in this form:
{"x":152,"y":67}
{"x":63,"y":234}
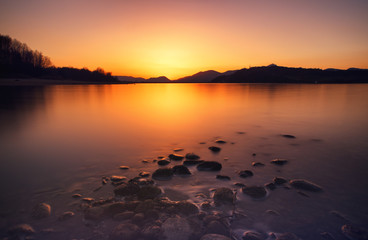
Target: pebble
{"x":41,"y":210}
{"x":77,"y":195}
{"x":126,"y":231}
{"x":178,"y":149}
{"x":144,"y":174}
{"x":88,"y":200}
{"x":305,"y":185}
{"x":245,"y":173}
{"x":149,"y":192}
{"x":220,"y":141}
{"x":214,"y":149}
{"x":176,"y":228}
{"x":124,"y":167}
{"x":209,"y":166}
{"x":288,"y":136}
{"x":163,"y":174}
{"x":21,"y":229}
{"x":117,"y":178}
{"x":279,"y":180}
{"x":126,"y":189}
{"x":279,"y":161}
{"x":270,"y":186}
{"x":66,"y":215}
{"x":192,"y":162}
{"x":216,"y":227}
{"x":256,"y":192}
{"x":252,"y":235}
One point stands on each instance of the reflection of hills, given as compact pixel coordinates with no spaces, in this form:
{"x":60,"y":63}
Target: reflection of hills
{"x":17,"y":104}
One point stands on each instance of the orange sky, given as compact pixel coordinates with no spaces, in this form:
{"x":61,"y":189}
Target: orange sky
{"x":150,"y":38}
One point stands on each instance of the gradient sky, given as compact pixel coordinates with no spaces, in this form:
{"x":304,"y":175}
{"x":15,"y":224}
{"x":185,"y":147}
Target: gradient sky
{"x":149,"y":38}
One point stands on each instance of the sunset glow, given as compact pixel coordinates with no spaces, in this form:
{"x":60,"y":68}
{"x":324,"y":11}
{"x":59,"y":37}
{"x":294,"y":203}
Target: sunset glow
{"x":179,"y":38}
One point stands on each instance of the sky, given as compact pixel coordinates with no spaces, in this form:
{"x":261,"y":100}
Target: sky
{"x":151,"y":38}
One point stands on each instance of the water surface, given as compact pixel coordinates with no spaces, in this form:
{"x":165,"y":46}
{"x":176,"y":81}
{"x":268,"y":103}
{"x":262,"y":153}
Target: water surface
{"x":58,"y":140}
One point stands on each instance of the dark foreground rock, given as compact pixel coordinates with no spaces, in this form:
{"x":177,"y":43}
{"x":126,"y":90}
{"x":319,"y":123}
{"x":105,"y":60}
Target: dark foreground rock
{"x":163,"y":174}
{"x":181,"y":170}
{"x":148,"y":192}
{"x":125,"y":231}
{"x":209,"y":166}
{"x":214,"y":237}
{"x":256,"y":192}
{"x":214,"y":149}
{"x":305,"y":185}
{"x":41,"y":210}
{"x":223,"y":196}
{"x":354,"y":232}
{"x":126,"y":189}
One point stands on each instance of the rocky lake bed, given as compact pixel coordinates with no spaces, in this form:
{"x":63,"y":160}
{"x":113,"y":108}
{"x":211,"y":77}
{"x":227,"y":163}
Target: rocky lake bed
{"x":181,"y":196}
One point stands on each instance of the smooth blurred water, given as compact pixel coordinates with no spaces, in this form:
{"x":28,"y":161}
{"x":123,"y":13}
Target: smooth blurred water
{"x":56,"y":140}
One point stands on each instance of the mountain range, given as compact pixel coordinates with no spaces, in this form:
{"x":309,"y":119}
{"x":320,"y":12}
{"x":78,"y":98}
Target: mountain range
{"x":266,"y":74}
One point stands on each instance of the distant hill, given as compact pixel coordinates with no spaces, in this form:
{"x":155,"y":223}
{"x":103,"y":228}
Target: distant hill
{"x":161,"y":79}
{"x":202,"y":77}
{"x":276,"y":74}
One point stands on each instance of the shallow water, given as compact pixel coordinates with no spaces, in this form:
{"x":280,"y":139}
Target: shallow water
{"x":59,"y":140}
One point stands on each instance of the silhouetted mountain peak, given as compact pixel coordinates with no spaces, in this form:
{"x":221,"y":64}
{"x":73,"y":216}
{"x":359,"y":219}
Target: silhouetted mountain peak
{"x":161,"y":79}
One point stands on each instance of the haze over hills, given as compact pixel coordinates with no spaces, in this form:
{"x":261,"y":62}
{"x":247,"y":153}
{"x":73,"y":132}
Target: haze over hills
{"x":267,"y":74}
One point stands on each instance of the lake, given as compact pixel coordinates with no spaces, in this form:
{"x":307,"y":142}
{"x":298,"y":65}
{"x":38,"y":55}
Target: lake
{"x":57,"y":141}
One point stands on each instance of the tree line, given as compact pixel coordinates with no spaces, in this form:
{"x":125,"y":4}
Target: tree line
{"x":18,"y":60}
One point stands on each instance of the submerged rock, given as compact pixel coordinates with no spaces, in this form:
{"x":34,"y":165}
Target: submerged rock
{"x":176,"y":229}
{"x":305,"y":185}
{"x":181,"y":170}
{"x":126,"y":231}
{"x":163,"y":174}
{"x":192,"y":162}
{"x":192,"y":156}
{"x":279,"y":161}
{"x":21,"y":229}
{"x":126,"y":189}
{"x":163,"y":162}
{"x":149,"y":192}
{"x":224,"y":196}
{"x":255,"y":191}
{"x":214,"y":237}
{"x":354,"y":232}
{"x":245,"y":173}
{"x":214,"y":149}
{"x":288,"y":136}
{"x":41,"y":210}
{"x":209,"y":166}
{"x":176,"y":157}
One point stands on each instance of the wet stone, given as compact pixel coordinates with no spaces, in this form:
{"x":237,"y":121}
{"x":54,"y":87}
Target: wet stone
{"x":214,"y":149}
{"x":192,"y":162}
{"x":66,"y":215}
{"x":123,"y":216}
{"x":176,"y":229}
{"x":126,"y":231}
{"x":149,"y":192}
{"x":88,"y":200}
{"x":41,"y":210}
{"x":181,"y":170}
{"x":220,"y":141}
{"x":245,"y":173}
{"x":163,"y":162}
{"x":279,"y":180}
{"x":178,"y":149}
{"x":138,"y":218}
{"x":94,"y":213}
{"x":279,"y":161}
{"x":124,"y":167}
{"x":251,"y":235}
{"x":223,"y":177}
{"x":176,"y":157}
{"x":117,"y":178}
{"x":214,"y":237}
{"x":270,"y":186}
{"x":21,"y":229}
{"x":256,"y":192}
{"x":152,"y":214}
{"x":288,"y":136}
{"x":209,"y":166}
{"x":144,"y":174}
{"x":186,"y":208}
{"x":76,"y":195}
{"x":354,"y":232}
{"x":163,"y":174}
{"x":144,"y":206}
{"x":141,"y":181}
{"x":239,"y":184}
{"x":272,"y":212}
{"x":206,"y":205}
{"x":126,"y":189}
{"x":305,"y":185}
{"x":216,"y":227}
{"x":257,"y":164}
{"x":287,"y":236}
{"x":223,"y":196}
{"x":192,"y":156}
